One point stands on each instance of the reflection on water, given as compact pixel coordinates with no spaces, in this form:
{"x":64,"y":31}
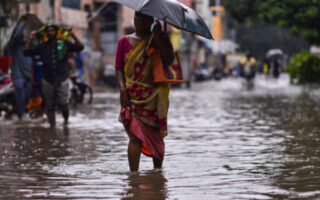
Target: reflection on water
{"x":145,"y":186}
{"x":25,"y":152}
{"x":39,"y":145}
{"x":225,"y":143}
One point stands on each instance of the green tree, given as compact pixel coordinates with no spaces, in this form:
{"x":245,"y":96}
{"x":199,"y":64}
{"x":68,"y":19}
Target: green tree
{"x":300,"y":16}
{"x":304,"y":68}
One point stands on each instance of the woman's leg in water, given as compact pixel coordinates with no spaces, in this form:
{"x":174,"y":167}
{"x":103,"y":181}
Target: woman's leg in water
{"x":134,"y":152}
{"x":157,"y":164}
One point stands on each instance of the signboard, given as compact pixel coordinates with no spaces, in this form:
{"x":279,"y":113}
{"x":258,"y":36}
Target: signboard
{"x":74,"y":18}
{"x":74,"y":4}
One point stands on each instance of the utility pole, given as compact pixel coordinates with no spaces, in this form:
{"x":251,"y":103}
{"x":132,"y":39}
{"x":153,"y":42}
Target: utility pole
{"x":217,"y":14}
{"x":217,"y":11}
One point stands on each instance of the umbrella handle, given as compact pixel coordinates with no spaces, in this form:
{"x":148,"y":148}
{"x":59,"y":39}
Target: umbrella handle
{"x":184,"y":16}
{"x":145,"y":51}
{"x":165,"y":27}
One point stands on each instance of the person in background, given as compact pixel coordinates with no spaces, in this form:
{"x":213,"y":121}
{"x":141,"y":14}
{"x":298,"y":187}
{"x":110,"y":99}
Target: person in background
{"x":54,"y":55}
{"x":266,"y":67}
{"x":248,"y":70}
{"x":21,"y":68}
{"x":79,"y":66}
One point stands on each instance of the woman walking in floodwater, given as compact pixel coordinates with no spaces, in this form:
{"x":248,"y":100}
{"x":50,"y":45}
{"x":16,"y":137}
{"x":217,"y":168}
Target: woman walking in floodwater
{"x":144,"y":104}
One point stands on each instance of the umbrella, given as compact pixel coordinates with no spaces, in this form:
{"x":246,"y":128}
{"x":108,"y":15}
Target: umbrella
{"x":172,"y":12}
{"x":26,"y":24}
{"x":315,"y":50}
{"x":274,"y":52}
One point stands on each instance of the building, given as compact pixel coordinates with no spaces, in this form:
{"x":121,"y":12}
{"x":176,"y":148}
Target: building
{"x":9,"y":13}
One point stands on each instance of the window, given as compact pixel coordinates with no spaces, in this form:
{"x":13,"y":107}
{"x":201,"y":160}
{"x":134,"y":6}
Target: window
{"x":108,"y":27}
{"x":75,"y":4}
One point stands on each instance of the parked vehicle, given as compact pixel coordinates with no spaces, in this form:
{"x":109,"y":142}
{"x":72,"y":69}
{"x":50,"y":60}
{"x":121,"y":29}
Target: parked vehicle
{"x":6,"y":95}
{"x":80,"y":92}
{"x":109,"y":75}
{"x":203,"y":73}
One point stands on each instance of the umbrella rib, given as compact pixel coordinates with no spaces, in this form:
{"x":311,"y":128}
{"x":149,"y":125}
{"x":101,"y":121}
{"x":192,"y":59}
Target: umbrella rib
{"x":184,"y":17}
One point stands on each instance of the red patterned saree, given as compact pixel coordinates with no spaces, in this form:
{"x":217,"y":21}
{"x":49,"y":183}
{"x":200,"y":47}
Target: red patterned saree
{"x":146,"y":118}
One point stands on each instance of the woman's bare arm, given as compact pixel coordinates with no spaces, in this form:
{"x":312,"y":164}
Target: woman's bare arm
{"x":124,"y":97}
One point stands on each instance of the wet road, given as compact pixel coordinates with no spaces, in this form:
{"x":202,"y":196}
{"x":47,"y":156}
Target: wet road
{"x":225,"y":143}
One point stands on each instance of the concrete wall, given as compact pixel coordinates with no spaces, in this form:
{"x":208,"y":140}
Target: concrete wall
{"x":42,"y":9}
{"x":126,"y":19}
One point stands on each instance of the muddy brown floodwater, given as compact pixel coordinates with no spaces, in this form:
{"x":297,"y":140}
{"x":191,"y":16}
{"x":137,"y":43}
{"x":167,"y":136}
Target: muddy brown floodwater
{"x":225,"y":142}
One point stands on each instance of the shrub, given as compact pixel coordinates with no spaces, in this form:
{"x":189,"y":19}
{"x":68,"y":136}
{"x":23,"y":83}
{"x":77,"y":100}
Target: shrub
{"x":304,"y":68}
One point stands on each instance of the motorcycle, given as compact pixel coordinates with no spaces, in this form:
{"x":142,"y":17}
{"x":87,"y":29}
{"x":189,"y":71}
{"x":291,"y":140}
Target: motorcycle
{"x":6,"y":95}
{"x":80,"y":91}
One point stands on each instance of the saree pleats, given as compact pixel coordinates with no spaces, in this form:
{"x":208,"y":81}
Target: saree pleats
{"x":146,"y":119}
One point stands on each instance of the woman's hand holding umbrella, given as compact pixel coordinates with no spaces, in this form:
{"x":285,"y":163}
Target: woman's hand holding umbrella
{"x":162,"y":42}
{"x":156,"y":29}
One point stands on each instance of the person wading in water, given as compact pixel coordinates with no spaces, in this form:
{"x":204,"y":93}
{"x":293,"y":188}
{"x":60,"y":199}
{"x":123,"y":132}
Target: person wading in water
{"x":144,"y":104}
{"x":54,"y":54}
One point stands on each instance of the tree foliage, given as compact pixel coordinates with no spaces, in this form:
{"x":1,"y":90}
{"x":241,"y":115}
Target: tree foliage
{"x":300,"y":16}
{"x":304,"y":68}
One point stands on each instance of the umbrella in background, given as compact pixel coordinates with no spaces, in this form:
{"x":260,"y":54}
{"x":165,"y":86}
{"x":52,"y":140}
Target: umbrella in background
{"x":171,"y":12}
{"x":273,"y":52}
{"x":26,"y":24}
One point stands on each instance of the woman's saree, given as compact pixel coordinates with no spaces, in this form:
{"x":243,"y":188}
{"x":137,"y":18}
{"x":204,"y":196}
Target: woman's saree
{"x":146,"y":118}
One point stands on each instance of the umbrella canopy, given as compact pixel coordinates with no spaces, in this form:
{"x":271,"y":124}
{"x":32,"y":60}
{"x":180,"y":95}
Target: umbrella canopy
{"x":172,"y":12}
{"x":26,"y":24}
{"x":32,"y":23}
{"x":274,"y":52}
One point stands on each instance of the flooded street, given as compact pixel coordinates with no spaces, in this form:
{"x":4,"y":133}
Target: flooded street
{"x":225,"y":142}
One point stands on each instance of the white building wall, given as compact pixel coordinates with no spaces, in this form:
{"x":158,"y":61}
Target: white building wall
{"x":45,"y":12}
{"x":202,"y":8}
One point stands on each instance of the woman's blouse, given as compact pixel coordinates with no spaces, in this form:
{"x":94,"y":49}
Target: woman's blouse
{"x":123,"y":49}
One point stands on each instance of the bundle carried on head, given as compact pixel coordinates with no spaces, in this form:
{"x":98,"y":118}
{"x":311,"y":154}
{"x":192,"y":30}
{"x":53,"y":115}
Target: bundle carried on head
{"x":62,"y":32}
